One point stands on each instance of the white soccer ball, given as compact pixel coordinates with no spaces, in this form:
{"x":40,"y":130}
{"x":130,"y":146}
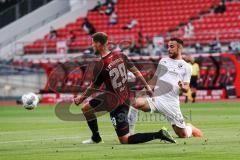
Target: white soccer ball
{"x":30,"y":101}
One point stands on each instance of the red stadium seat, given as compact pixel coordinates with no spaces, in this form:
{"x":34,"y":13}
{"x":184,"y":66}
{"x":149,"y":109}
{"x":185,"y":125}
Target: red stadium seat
{"x":157,"y":17}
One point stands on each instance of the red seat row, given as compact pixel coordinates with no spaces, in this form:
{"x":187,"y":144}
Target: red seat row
{"x":154,"y":17}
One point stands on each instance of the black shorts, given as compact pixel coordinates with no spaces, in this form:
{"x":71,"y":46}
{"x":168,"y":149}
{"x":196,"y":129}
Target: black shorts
{"x":118,"y":114}
{"x":193,"y":82}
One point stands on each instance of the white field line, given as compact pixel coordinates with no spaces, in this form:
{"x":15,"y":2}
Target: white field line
{"x":50,"y":139}
{"x":49,"y":129}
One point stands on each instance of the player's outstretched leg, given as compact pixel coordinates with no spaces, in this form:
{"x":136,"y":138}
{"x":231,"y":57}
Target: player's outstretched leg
{"x":120,"y":122}
{"x":145,"y":137}
{"x":88,"y":112}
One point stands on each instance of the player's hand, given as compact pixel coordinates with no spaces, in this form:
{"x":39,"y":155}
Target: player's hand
{"x":78,"y":100}
{"x":149,"y":91}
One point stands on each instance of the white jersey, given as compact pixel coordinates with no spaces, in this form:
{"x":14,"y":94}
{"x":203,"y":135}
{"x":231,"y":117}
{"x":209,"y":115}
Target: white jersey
{"x":169,"y":73}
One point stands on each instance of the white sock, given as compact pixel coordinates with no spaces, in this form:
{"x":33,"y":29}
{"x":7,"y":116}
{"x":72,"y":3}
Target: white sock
{"x":132,"y":119}
{"x":189,"y":130}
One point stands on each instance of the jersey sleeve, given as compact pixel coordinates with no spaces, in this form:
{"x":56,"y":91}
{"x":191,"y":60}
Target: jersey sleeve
{"x":98,"y":77}
{"x":128,"y":62}
{"x":187,"y":75}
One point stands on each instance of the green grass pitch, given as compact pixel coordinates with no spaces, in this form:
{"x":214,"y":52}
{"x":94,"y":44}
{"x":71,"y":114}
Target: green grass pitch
{"x":39,"y":134}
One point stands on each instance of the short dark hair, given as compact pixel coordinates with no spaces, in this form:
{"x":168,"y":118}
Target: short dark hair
{"x":100,"y":37}
{"x":178,"y":40}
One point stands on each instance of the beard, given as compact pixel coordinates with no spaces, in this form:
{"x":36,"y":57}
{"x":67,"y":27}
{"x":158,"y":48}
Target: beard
{"x":172,"y":55}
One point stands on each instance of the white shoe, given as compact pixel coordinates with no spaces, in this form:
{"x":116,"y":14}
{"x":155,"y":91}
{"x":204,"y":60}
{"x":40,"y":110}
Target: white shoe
{"x":90,"y":141}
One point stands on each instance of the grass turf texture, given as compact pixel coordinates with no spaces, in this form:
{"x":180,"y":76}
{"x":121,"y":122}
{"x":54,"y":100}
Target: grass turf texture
{"x":39,"y":134}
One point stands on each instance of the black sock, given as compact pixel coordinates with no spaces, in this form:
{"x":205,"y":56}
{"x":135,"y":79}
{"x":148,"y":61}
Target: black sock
{"x":92,"y":124}
{"x":143,"y":137}
{"x":186,"y":99}
{"x":193,"y":96}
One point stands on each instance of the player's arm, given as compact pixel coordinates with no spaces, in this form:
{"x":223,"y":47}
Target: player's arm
{"x":159,"y":71}
{"x":89,"y":91}
{"x":139,"y":76}
{"x":96,"y":83}
{"x":153,"y":81}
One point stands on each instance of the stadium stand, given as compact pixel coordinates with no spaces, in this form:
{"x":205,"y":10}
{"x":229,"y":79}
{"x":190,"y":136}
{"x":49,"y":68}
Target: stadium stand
{"x":154,"y":18}
{"x":224,"y":26}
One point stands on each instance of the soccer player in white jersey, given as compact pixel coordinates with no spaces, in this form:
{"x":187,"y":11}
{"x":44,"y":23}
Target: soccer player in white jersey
{"x":171,"y":77}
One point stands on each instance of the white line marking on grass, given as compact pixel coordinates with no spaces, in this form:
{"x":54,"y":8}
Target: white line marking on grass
{"x":49,"y":139}
{"x":35,"y":140}
{"x":45,"y":129}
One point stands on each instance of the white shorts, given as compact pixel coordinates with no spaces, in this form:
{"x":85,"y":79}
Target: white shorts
{"x":171,"y":112}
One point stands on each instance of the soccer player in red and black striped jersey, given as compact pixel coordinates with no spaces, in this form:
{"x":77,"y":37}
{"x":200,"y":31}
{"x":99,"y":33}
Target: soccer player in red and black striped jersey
{"x":112,"y":71}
